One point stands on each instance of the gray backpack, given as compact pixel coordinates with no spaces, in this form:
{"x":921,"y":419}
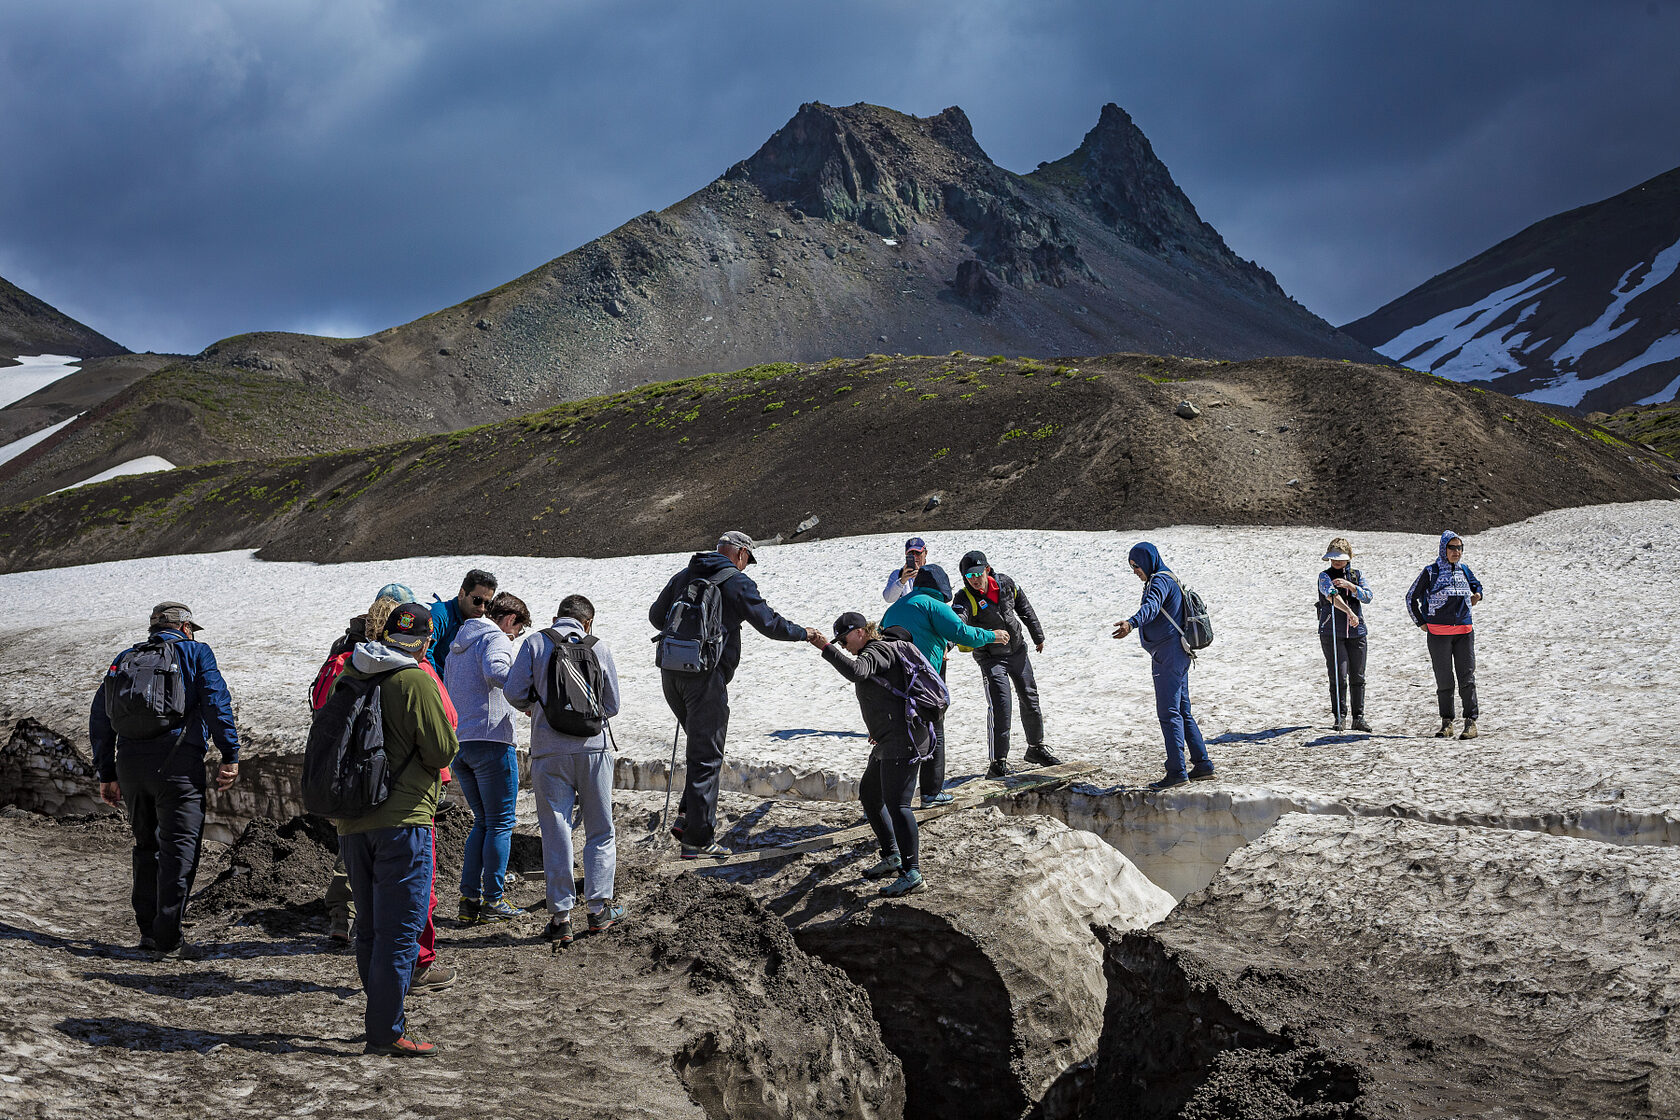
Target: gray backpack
{"x":1197,"y":631}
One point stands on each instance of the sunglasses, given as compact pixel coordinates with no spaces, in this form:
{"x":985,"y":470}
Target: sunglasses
{"x":975,"y":574}
{"x":479,"y":602}
{"x":1455,"y":548}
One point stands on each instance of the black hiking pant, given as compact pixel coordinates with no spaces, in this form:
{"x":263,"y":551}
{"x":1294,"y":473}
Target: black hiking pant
{"x":700,"y":701}
{"x":1344,"y":660}
{"x":933,"y":769}
{"x":164,"y":797}
{"x":1454,"y":655}
{"x":885,"y":790}
{"x":997,"y":673}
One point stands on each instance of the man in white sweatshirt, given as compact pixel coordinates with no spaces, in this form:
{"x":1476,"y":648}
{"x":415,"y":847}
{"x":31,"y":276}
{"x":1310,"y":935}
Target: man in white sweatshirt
{"x":566,"y":675}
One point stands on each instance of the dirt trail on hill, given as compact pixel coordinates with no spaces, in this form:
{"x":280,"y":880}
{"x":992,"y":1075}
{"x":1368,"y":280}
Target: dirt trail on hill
{"x":882,"y":444}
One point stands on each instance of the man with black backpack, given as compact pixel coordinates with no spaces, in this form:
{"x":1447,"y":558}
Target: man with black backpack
{"x":699,"y":616}
{"x":1170,"y":643}
{"x":161,"y":704}
{"x":372,"y":765}
{"x":565,"y":680}
{"x":992,"y":601}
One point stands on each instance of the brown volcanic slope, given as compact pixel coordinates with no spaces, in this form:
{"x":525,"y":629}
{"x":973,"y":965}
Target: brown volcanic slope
{"x":785,"y":257}
{"x":865,"y":445}
{"x":31,"y":326}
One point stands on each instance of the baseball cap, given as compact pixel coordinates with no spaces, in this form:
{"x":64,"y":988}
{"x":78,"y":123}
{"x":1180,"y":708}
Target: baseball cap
{"x":737,"y":539}
{"x":174,"y":615}
{"x":400,"y":592}
{"x":915,"y":544}
{"x":409,"y":628}
{"x":973,"y":561}
{"x":848,"y":622}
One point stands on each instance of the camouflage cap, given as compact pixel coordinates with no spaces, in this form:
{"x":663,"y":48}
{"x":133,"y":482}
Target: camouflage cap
{"x":173,"y":616}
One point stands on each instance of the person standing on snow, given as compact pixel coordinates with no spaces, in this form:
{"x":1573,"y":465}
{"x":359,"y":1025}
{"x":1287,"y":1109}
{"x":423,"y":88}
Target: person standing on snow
{"x":487,"y":767}
{"x":1170,"y":662}
{"x":700,"y":699}
{"x":1342,"y":594}
{"x":151,"y":761}
{"x":897,"y":746}
{"x":478,"y":587}
{"x":925,"y":615}
{"x":993,"y":601}
{"x":901,"y":580}
{"x":1439,"y":602}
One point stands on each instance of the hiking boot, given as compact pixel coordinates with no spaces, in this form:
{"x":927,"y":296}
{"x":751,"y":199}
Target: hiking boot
{"x":714,"y":850}
{"x":932,"y":800}
{"x":498,"y":911}
{"x":1469,"y":729}
{"x":998,"y":769}
{"x":339,"y":931}
{"x":559,"y":929}
{"x":911,"y":882}
{"x":1359,"y":724}
{"x":148,"y":943}
{"x":1340,"y":725}
{"x":1446,"y":731}
{"x":433,"y":978}
{"x":182,"y":951}
{"x":1039,"y":756}
{"x":403,"y":1047}
{"x":888,"y":867}
{"x":1198,"y":774}
{"x":605,"y":918}
{"x":1170,"y":781}
{"x":678,"y":826}
{"x":468,"y":910}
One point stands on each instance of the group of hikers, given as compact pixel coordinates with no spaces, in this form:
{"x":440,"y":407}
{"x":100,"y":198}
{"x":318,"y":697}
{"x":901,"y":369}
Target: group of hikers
{"x":414,"y":696}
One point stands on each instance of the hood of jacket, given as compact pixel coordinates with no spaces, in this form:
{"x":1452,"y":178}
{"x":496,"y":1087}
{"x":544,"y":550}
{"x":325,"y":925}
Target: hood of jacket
{"x":472,"y":630}
{"x":1441,"y":552}
{"x":1145,"y":556}
{"x":569,"y":627}
{"x":369,"y":658}
{"x":705,"y":563}
{"x":933,"y":578}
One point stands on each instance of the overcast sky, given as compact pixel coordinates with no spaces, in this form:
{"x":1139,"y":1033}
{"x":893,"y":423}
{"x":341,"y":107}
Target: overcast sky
{"x":176,"y":171}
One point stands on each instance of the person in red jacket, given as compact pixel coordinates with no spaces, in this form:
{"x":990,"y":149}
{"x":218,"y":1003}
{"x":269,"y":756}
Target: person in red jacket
{"x":340,"y":907}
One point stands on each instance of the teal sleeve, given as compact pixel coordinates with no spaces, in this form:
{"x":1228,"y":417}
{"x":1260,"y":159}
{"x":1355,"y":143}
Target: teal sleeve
{"x":948,"y":626}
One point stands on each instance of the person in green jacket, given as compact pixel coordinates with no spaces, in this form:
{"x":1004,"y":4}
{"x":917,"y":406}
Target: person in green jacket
{"x":387,"y":852}
{"x":925,"y":611}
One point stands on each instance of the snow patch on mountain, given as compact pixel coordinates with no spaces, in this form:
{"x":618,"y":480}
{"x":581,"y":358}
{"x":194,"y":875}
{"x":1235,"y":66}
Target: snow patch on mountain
{"x":145,"y":464}
{"x":33,"y":373}
{"x":1454,"y":343}
{"x":18,"y":446}
{"x":1568,"y":390}
{"x":1605,"y":327}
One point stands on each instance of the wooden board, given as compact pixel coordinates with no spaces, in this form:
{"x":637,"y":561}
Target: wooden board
{"x":967,"y":796}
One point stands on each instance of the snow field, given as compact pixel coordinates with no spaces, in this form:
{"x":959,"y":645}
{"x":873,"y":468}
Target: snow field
{"x":33,"y":373}
{"x":1577,"y":656}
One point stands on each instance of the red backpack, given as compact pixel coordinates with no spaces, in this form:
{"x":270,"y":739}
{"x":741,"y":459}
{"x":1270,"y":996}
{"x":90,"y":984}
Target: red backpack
{"x":324,"y":680}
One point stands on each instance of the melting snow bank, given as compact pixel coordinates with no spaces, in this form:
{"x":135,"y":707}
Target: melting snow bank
{"x":145,"y":464}
{"x":23,"y":443}
{"x":32,"y":374}
{"x":1375,"y":968}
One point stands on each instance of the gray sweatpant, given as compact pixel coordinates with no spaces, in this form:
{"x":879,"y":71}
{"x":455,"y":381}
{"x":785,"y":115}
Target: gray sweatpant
{"x":561,"y":781}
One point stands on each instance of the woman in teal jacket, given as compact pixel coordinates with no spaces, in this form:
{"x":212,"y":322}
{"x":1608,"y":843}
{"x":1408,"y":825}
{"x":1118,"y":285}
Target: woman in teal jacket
{"x":926,"y":613}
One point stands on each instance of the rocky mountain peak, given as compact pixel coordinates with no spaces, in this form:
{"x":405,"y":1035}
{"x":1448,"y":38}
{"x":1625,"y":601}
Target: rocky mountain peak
{"x":1116,"y":173}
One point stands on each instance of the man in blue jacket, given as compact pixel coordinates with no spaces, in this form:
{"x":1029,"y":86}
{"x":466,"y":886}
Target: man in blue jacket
{"x":478,"y":587}
{"x":931,"y":623}
{"x":1163,"y":603}
{"x":1439,"y":602}
{"x":160,"y":778}
{"x":700,"y":700}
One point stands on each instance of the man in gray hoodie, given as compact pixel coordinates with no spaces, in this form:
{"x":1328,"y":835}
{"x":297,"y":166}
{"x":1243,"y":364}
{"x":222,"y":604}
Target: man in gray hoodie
{"x":568,"y":768}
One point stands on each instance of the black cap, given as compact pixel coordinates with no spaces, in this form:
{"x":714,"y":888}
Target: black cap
{"x":971,"y":561}
{"x":848,"y":622}
{"x":934,"y":576}
{"x":408,"y":628}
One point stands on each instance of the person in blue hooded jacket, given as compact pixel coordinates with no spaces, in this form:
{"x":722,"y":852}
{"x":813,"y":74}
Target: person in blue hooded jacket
{"x":1439,"y":602}
{"x":1163,"y":600}
{"x":925,"y":612}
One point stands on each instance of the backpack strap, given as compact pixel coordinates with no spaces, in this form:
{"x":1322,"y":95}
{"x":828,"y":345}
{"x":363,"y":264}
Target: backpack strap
{"x":1183,"y":601}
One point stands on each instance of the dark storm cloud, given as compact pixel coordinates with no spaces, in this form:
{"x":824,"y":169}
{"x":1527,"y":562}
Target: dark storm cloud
{"x":174,"y":171}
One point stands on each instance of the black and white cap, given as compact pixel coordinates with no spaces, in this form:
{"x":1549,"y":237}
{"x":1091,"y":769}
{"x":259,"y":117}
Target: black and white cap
{"x":737,"y":539}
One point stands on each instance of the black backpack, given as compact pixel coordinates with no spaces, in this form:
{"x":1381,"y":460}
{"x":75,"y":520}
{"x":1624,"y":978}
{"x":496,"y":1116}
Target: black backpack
{"x":346,"y":773}
{"x":574,"y":678}
{"x":692,"y":639}
{"x":146,"y":690}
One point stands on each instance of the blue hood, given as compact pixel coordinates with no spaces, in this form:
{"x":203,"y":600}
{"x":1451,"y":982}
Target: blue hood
{"x":1146,"y":557}
{"x":1441,"y":553}
{"x":933,"y":578}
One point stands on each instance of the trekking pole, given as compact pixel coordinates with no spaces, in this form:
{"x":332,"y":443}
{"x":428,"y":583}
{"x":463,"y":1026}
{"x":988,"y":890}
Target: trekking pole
{"x":1335,"y":664}
{"x":670,"y":775}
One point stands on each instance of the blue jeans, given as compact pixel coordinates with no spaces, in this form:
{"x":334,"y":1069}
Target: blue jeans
{"x":489,"y":776}
{"x":1171,"y":670}
{"x":390,"y":873}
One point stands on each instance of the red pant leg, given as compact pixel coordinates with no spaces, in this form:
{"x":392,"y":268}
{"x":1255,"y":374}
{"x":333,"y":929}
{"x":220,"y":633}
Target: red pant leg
{"x":428,"y":936}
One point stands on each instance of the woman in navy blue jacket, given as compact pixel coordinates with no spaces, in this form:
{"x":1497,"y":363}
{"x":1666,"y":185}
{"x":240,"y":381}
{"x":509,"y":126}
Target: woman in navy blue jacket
{"x":1342,"y":595}
{"x":1439,"y":601}
{"x":1163,"y":604}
